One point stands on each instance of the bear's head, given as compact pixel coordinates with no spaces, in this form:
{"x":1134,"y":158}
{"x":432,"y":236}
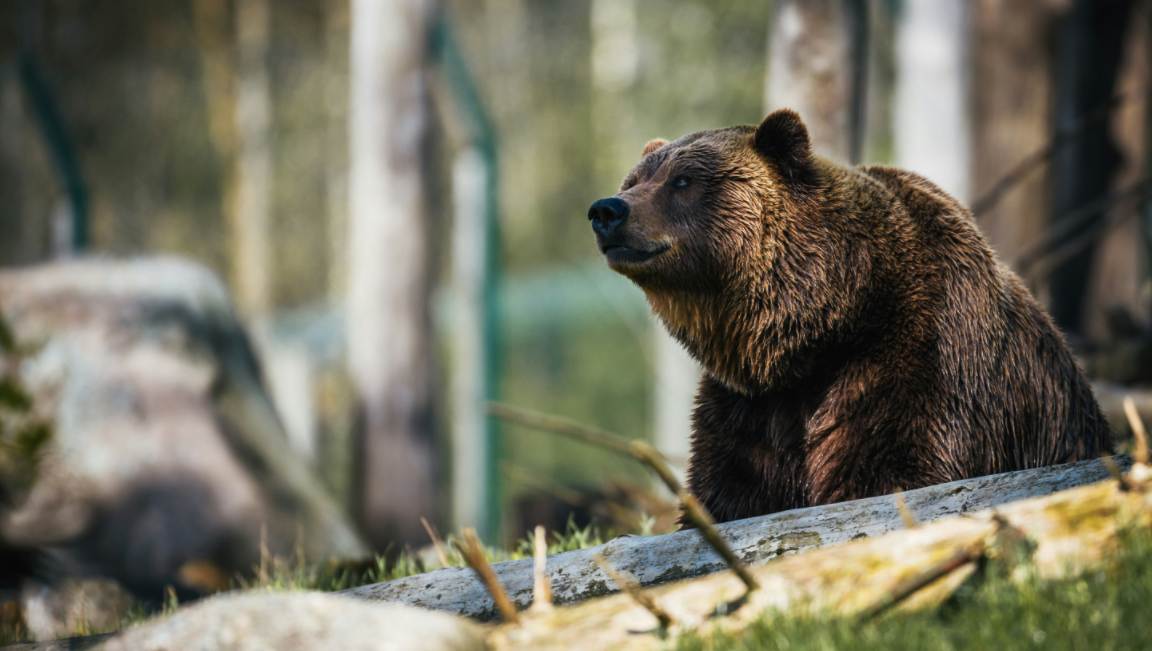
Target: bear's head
{"x":728,"y":234}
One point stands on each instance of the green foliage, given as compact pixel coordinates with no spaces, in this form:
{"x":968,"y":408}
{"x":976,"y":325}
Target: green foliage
{"x":13,"y":396}
{"x":571,"y":539}
{"x":24,"y":433}
{"x":7,"y":339}
{"x":1103,"y":609}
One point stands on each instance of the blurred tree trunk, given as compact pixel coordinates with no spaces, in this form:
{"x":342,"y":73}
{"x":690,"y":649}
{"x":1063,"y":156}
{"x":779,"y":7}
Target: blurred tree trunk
{"x":817,"y":66}
{"x":881,"y":81}
{"x":1092,"y":43}
{"x":1011,"y":99}
{"x":336,"y":143}
{"x":388,"y":321}
{"x":238,"y":105}
{"x":18,"y":245}
{"x":932,"y":136}
{"x":250,"y":238}
{"x":335,"y":446}
{"x":1119,"y":282}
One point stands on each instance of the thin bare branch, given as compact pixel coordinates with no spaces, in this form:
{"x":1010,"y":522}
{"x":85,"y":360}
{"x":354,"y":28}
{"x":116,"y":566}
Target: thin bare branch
{"x":641,"y":451}
{"x":1044,"y":155}
{"x":562,"y":426}
{"x":437,"y":542}
{"x":1057,"y":245}
{"x":699,"y":517}
{"x":629,"y":585}
{"x":473,"y":553}
{"x":912,"y":585}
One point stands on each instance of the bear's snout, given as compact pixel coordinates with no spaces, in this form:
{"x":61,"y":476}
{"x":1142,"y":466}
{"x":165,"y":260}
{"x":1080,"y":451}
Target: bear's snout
{"x":607,"y":214}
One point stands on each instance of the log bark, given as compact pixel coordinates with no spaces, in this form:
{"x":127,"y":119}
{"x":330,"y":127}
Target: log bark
{"x":654,"y":560}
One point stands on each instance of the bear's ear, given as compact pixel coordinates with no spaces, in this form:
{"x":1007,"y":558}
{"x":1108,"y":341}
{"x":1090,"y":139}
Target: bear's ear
{"x":653,"y":145}
{"x":783,"y":139}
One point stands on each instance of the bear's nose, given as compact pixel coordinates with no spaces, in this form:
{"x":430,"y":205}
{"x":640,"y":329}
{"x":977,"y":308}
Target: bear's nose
{"x":606,"y":215}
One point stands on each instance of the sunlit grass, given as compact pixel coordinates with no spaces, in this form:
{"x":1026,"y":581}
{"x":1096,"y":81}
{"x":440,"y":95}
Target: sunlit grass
{"x":1104,"y":609}
{"x":296,"y":574}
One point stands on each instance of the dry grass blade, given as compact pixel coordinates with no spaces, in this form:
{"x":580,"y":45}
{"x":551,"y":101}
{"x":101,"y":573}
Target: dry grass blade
{"x":437,"y":542}
{"x":630,"y":586}
{"x":562,"y":426}
{"x":906,"y":515}
{"x":641,"y":451}
{"x":541,"y":586}
{"x":700,"y":518}
{"x":473,"y":553}
{"x":1140,"y":447}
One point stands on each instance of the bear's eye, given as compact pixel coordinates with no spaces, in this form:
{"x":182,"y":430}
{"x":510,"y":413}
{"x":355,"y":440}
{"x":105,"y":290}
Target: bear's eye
{"x":681,"y":182}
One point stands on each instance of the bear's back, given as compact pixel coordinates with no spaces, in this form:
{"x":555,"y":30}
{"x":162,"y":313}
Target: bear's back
{"x":1002,"y":363}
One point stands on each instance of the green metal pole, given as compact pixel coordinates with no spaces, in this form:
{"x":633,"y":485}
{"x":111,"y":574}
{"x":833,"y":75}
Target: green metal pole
{"x":64,"y":159}
{"x":484,"y":138}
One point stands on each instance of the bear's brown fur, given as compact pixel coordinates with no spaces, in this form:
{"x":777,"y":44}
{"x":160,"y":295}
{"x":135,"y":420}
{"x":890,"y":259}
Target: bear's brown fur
{"x":857,"y":334}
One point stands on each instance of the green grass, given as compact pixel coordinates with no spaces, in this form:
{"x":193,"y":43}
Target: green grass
{"x":286,"y":574}
{"x":1104,"y":609}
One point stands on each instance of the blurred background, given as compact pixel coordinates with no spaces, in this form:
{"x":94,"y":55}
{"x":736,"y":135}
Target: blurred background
{"x":393,"y":196}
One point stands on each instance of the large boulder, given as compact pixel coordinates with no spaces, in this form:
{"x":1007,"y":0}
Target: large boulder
{"x":257,"y":621}
{"x":167,"y":464}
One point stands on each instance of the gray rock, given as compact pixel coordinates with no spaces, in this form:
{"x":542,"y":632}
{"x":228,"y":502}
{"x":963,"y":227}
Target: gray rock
{"x":167,"y":461}
{"x":300,"y":620}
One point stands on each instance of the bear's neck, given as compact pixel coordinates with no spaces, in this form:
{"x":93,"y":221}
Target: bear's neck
{"x":731,"y":341}
{"x":748,"y":348}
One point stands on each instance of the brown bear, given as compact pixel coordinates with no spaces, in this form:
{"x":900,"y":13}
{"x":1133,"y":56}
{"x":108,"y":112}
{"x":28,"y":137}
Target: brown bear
{"x":857,"y":334}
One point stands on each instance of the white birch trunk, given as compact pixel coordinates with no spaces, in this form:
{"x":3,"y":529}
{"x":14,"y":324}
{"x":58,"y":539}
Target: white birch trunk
{"x":809,"y":71}
{"x":387,"y":316}
{"x":932,"y":135}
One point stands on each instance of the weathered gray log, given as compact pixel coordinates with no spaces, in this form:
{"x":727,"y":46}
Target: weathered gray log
{"x":1049,"y":537}
{"x":658,"y":559}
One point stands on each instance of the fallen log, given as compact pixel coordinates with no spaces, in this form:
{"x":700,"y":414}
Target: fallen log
{"x":1048,"y":537}
{"x":653,"y":560}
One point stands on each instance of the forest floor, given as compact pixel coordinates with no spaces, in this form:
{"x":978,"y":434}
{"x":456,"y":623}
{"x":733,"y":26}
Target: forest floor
{"x":1103,"y":609}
